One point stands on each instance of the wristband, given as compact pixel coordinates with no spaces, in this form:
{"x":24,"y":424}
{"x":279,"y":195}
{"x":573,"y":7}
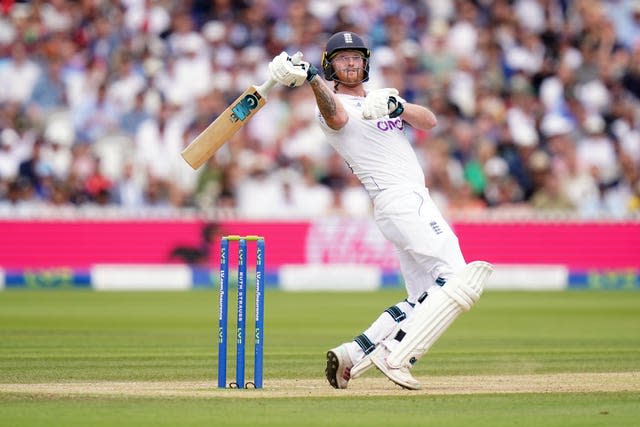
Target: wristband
{"x":393,"y":101}
{"x":312,"y":71}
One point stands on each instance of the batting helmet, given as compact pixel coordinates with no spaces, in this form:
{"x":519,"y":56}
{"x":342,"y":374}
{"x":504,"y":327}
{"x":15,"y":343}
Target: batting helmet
{"x":344,"y":40}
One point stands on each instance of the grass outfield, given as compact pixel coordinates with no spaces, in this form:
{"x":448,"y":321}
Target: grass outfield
{"x":76,"y":358}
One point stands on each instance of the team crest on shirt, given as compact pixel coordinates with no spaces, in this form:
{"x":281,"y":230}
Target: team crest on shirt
{"x":435,"y":227}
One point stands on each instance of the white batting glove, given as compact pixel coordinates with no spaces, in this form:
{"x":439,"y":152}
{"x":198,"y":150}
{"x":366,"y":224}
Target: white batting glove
{"x":289,"y":71}
{"x":382,"y":102}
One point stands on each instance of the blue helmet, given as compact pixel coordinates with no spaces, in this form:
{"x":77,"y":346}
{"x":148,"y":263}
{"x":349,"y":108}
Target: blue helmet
{"x":344,"y":40}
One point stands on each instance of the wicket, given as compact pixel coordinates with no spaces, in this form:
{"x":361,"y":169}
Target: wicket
{"x":242,"y":309}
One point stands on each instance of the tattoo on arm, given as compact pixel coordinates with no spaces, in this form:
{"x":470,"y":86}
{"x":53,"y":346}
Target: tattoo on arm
{"x":325,"y":99}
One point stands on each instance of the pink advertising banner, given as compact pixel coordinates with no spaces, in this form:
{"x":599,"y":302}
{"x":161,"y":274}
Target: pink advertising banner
{"x":80,"y":244}
{"x":577,"y":245}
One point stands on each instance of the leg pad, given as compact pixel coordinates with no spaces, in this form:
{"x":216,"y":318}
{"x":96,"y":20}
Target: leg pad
{"x":432,"y":318}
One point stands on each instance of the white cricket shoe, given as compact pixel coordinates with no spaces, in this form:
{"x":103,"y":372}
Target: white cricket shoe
{"x":400,"y":376}
{"x":338,"y":370}
{"x":361,"y":367}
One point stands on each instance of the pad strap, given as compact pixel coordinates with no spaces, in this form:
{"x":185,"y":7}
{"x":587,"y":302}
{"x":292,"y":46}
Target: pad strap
{"x":365,"y":343}
{"x":396,"y":313}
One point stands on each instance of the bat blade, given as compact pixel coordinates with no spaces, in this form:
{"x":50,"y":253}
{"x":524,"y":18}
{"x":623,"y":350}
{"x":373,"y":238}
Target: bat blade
{"x":224,"y":127}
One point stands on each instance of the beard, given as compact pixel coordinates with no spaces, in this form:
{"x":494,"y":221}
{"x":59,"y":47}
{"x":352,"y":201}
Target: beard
{"x":349,"y":76}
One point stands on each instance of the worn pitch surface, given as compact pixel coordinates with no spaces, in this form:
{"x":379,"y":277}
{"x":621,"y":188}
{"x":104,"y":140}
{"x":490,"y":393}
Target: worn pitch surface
{"x":368,"y":386}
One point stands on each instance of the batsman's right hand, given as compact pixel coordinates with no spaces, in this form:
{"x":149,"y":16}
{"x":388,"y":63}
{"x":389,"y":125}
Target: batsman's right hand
{"x":382,"y":102}
{"x":289,"y":71}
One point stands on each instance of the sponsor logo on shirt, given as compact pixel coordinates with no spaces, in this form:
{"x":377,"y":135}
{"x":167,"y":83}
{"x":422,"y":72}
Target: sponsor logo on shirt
{"x":390,"y":124}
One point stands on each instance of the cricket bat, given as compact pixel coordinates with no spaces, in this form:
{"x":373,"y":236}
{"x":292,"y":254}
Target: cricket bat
{"x":227,"y":124}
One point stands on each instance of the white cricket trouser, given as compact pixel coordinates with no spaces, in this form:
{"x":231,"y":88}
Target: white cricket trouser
{"x":427,"y":247}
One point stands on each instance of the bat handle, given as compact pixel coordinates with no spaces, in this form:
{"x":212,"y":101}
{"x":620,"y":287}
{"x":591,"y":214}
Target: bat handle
{"x":265,"y":87}
{"x":296,"y":58}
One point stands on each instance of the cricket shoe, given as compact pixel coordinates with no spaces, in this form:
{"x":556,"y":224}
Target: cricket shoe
{"x":338,"y":370}
{"x":399,"y":375}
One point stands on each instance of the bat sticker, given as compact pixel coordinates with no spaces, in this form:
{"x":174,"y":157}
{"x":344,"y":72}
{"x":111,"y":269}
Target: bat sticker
{"x":243,"y":108}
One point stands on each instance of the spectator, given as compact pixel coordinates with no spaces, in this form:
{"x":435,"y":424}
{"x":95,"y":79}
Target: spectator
{"x":106,"y":37}
{"x":9,"y":161}
{"x":261,"y":194}
{"x":96,"y":117}
{"x":49,"y":93}
{"x":98,"y":186}
{"x":131,"y":120}
{"x":158,"y":141}
{"x":129,"y":192}
{"x":19,"y":76}
{"x":634,"y":200}
{"x":126,"y":82}
{"x":548,"y":193}
{"x":596,"y":151}
{"x":501,"y":188}
{"x":577,"y":183}
{"x":439,"y":61}
{"x":34,"y":171}
{"x":56,"y":16}
{"x":146,"y":17}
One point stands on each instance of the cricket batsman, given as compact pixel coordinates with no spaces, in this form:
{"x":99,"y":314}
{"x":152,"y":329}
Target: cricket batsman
{"x":367,"y":129}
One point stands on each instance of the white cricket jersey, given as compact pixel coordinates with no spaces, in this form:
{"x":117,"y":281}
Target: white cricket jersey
{"x":378,"y":151}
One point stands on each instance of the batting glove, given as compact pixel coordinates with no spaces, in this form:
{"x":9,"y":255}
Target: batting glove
{"x":288,"y":71}
{"x":382,"y":102}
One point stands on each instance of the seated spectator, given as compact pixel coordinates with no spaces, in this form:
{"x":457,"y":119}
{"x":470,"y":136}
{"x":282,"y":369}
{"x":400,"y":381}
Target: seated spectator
{"x":131,"y":120}
{"x":501,"y":189}
{"x":18,"y":76}
{"x":548,"y":193}
{"x":33,"y":170}
{"x":98,"y":186}
{"x":129,"y":192}
{"x":49,"y":92}
{"x":96,"y":117}
{"x":9,"y":159}
{"x":596,"y":150}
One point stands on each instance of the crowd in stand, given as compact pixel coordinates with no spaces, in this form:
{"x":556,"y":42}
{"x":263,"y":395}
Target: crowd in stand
{"x":538,"y":103}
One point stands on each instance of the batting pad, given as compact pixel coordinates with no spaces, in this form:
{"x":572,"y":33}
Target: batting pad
{"x":431,"y":318}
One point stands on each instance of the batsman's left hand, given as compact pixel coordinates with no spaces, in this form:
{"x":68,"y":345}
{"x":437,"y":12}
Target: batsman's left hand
{"x":287,"y":70}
